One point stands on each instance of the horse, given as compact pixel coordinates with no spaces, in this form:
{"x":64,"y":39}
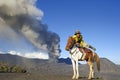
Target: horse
{"x":76,"y":55}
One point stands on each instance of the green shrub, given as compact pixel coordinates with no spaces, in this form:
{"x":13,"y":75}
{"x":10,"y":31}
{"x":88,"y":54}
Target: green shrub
{"x":4,"y":67}
{"x":17,"y":69}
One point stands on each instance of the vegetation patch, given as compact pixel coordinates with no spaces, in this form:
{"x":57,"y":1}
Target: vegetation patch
{"x":5,"y":68}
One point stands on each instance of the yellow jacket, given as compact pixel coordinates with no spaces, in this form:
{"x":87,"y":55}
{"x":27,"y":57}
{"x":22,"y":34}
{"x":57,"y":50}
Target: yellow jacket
{"x":78,"y":40}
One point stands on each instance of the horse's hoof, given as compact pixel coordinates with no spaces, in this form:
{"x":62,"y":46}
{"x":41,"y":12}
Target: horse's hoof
{"x":73,"y":78}
{"x":89,"y":78}
{"x":77,"y":78}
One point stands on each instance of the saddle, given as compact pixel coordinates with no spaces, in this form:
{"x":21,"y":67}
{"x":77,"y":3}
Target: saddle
{"x":86,"y":50}
{"x":88,"y":53}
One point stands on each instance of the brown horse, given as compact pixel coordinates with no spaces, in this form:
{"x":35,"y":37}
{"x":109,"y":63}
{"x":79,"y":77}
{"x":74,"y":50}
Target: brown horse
{"x":76,"y":55}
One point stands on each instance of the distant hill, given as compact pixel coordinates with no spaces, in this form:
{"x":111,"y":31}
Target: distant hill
{"x":106,"y":65}
{"x":65,"y":60}
{"x":109,"y":66}
{"x":18,"y":60}
{"x":118,"y":66}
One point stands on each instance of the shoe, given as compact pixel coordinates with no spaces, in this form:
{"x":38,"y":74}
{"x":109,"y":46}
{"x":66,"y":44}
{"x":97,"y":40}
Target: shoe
{"x":94,"y":49}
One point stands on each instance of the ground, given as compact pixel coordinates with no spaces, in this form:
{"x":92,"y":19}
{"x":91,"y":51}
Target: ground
{"x":37,"y":76}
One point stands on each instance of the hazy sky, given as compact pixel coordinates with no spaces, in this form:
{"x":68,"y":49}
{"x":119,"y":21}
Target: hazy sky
{"x":98,"y":21}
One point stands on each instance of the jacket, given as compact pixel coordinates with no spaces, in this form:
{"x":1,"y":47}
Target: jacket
{"x":78,"y":40}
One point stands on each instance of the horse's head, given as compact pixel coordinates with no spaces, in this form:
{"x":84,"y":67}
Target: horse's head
{"x":70,"y":43}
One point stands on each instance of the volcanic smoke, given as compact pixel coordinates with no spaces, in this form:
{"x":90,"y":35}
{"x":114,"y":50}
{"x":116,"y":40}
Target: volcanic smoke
{"x":22,"y":31}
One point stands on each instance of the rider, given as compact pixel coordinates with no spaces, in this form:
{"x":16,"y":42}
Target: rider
{"x":79,"y":42}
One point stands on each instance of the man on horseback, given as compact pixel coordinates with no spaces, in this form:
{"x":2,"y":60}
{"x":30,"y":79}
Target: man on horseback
{"x":74,"y":45}
{"x":79,"y":42}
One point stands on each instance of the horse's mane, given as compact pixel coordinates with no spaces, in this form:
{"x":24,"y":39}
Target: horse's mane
{"x":70,"y":37}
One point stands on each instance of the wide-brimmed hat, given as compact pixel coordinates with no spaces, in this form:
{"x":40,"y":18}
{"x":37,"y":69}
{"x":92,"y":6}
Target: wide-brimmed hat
{"x":77,"y":32}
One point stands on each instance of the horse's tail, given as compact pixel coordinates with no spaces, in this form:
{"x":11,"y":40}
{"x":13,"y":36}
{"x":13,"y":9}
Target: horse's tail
{"x":97,"y":60}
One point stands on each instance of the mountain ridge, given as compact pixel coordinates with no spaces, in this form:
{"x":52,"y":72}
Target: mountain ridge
{"x":106,"y":64}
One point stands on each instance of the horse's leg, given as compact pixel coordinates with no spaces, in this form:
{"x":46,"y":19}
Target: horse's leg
{"x":74,"y":70}
{"x":91,"y":73}
{"x":77,"y":69}
{"x":92,"y":70}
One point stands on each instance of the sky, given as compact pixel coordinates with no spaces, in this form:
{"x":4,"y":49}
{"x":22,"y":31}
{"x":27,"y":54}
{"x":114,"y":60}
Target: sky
{"x":97,"y":20}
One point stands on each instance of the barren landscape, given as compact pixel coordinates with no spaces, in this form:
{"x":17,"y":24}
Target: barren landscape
{"x":60,"y":69}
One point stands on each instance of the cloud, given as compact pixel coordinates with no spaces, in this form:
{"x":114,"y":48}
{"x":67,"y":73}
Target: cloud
{"x":15,"y":7}
{"x":31,"y":55}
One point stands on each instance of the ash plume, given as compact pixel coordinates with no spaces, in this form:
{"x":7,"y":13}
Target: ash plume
{"x":21,"y":29}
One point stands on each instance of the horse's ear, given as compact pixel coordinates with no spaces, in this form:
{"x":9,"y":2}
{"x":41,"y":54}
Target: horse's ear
{"x":70,"y":37}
